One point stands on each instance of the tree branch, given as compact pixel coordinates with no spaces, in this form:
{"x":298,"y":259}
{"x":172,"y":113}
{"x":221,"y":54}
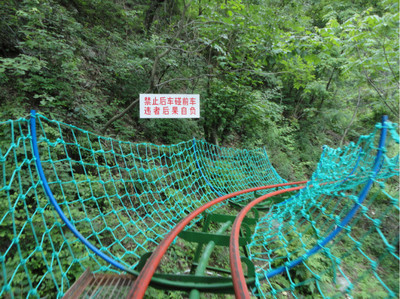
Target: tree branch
{"x":372,"y":84}
{"x":352,"y":118}
{"x":118,"y":116}
{"x":390,"y":66}
{"x":183,"y":79}
{"x":379,"y":92}
{"x":153,"y":72}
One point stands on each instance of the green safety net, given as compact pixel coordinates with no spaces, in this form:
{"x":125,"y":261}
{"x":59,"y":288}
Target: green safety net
{"x":362,"y":260}
{"x":122,"y":197}
{"x":125,"y":197}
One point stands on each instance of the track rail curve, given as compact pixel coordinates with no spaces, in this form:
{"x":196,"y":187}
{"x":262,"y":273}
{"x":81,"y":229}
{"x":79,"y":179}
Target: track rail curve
{"x":143,"y":280}
{"x":239,"y":283}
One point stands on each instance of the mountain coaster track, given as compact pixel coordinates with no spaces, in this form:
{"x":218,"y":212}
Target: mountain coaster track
{"x":239,"y":282}
{"x":145,"y":276}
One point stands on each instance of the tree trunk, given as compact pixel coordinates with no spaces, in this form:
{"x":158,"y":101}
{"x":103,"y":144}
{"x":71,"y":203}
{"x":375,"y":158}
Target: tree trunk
{"x":352,"y":118}
{"x":152,"y":78}
{"x":150,"y":13}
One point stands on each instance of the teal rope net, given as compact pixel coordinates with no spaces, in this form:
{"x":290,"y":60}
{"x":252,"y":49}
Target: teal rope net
{"x":124,"y":197}
{"x":363,"y":258}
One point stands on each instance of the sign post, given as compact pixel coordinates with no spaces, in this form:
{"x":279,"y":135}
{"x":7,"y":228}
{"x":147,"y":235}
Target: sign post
{"x":169,"y":106}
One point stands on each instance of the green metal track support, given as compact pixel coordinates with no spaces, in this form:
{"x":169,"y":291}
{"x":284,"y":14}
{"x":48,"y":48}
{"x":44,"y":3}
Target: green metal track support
{"x":197,"y":282}
{"x":201,"y":268}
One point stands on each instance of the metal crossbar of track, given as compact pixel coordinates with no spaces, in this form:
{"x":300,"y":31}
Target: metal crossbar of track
{"x":152,"y":263}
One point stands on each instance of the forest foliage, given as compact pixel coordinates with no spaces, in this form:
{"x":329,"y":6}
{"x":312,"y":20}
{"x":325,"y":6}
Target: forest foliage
{"x":287,"y":75}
